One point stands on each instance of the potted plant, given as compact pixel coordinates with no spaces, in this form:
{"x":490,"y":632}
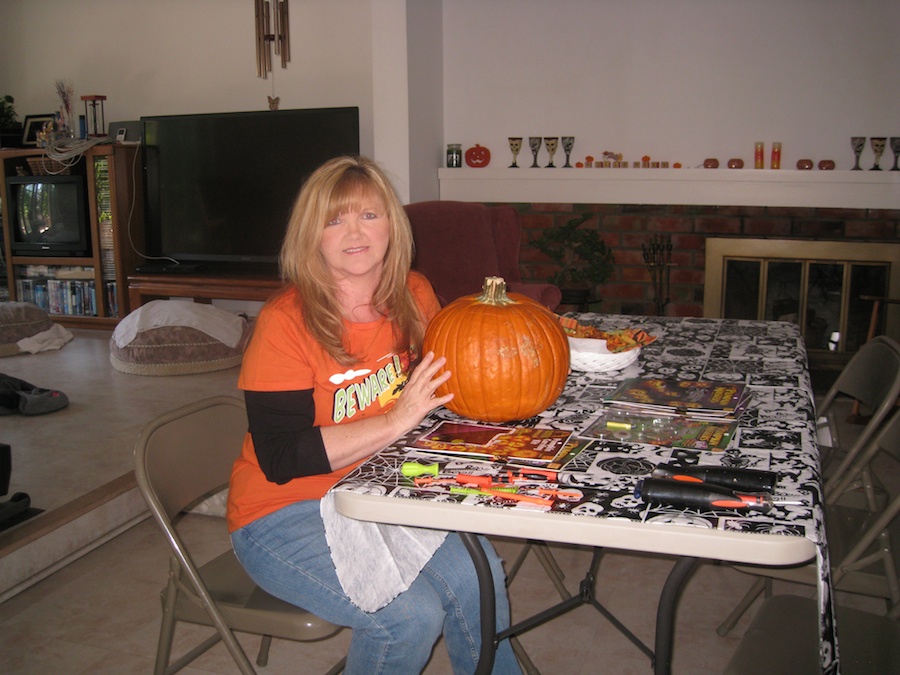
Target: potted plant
{"x":584,"y":260}
{"x":10,"y":128}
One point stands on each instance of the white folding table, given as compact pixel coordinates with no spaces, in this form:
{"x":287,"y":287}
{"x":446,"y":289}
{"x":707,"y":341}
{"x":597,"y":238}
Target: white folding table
{"x":777,"y":433}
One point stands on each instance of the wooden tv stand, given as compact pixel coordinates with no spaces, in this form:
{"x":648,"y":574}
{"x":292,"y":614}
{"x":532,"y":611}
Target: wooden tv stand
{"x":143,"y":288}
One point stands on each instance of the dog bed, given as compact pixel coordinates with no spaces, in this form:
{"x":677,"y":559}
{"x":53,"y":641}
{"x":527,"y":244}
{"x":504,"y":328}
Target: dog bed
{"x":175,"y":337}
{"x":26,"y":328}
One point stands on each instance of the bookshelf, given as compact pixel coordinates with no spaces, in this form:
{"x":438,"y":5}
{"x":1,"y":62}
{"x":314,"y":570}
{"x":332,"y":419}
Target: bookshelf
{"x":89,"y":291}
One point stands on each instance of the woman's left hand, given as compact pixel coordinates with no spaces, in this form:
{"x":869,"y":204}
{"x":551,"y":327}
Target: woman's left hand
{"x":418,"y":398}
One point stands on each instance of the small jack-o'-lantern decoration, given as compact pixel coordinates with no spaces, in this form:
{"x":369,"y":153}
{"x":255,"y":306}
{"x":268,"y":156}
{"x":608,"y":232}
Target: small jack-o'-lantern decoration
{"x":478,"y":156}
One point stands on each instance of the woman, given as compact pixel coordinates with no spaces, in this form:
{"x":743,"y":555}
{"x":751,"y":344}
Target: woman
{"x":332,"y":374}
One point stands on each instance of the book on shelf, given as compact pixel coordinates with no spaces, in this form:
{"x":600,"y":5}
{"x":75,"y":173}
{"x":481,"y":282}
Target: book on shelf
{"x":525,"y":445}
{"x":67,"y":297}
{"x":699,"y":399}
{"x":112,"y":298}
{"x":672,"y":431}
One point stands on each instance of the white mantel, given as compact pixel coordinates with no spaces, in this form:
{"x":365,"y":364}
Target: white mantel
{"x":713,"y":187}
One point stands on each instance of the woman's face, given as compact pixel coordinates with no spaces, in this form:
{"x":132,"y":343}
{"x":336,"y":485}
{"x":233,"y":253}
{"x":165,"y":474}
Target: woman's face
{"x":354,"y":243}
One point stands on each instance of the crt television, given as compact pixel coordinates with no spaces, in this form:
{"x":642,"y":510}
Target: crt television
{"x":219,"y":187}
{"x":48,"y":215}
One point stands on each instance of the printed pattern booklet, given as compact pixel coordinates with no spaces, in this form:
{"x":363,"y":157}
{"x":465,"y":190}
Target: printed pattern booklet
{"x":527,"y":445}
{"x":695,"y":399}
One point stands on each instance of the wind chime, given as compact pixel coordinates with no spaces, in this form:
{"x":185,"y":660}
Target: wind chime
{"x":273,"y":14}
{"x":658,"y":260}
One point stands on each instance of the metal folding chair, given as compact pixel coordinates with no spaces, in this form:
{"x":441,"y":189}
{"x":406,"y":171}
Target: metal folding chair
{"x":859,"y":540}
{"x":872,"y":379}
{"x":180,"y":458}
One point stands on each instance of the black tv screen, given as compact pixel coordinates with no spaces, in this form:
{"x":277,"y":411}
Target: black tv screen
{"x":219,"y":187}
{"x":49,"y":215}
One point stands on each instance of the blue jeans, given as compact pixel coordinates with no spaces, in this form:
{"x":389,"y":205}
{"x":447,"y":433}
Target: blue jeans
{"x":286,"y":554}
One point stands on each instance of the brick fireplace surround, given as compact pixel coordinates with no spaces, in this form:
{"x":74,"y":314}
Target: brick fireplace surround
{"x":625,"y":227}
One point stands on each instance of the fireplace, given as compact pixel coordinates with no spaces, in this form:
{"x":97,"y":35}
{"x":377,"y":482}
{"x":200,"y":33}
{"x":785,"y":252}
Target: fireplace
{"x":834,"y":232}
{"x":827,"y":287}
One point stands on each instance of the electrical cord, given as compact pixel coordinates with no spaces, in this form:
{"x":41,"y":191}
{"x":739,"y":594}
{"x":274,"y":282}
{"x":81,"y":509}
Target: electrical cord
{"x":68,"y":152}
{"x":131,"y":216}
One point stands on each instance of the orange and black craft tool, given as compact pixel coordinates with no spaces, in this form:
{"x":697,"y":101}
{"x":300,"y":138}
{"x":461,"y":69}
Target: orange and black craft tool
{"x":749,"y":480}
{"x":699,"y":495}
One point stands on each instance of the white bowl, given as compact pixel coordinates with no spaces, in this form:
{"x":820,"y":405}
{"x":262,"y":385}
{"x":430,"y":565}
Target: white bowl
{"x":590,"y":355}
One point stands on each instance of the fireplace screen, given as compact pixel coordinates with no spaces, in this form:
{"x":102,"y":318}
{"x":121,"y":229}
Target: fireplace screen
{"x":828,"y":288}
{"x":827,"y":300}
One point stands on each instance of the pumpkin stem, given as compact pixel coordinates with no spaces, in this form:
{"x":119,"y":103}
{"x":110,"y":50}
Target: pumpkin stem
{"x":494,"y":292}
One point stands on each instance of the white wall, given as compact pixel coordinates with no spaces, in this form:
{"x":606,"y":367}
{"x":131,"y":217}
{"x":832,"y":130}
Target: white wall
{"x":426,"y":96}
{"x":679,"y":80}
{"x":390,"y":87}
{"x":162,"y":57}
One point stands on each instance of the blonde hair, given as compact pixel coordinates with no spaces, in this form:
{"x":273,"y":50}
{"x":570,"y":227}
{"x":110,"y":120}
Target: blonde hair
{"x":341,"y":185}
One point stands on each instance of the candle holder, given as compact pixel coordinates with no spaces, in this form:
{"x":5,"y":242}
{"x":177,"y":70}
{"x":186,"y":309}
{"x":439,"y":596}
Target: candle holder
{"x":895,"y":148}
{"x":94,"y":115}
{"x":568,"y":142}
{"x":515,"y":147}
{"x":658,"y":260}
{"x":534,"y":142}
{"x":857,"y":143}
{"x":551,"y":143}
{"x":877,"y":144}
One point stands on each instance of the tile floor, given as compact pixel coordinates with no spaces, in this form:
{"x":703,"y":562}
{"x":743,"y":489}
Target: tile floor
{"x":60,"y":456}
{"x":100,"y":613}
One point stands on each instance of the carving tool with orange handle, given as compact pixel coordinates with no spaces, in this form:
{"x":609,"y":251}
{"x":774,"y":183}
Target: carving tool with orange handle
{"x":749,"y":480}
{"x":699,"y":495}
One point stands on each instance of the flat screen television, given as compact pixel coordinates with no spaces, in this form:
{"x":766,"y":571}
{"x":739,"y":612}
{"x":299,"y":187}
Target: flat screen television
{"x":48,"y":215}
{"x":219,"y":187}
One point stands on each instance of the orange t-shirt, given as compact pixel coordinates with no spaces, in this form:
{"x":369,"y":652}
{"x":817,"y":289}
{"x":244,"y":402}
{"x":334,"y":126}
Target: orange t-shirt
{"x":283,"y":356}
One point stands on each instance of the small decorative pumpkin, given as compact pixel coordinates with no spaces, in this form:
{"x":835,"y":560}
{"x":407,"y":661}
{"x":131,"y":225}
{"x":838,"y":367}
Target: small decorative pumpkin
{"x":478,"y":156}
{"x":507,"y":353}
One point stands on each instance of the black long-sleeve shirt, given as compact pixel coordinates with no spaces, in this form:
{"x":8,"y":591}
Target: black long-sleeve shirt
{"x":286,"y":442}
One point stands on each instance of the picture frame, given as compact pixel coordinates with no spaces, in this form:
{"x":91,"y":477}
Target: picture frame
{"x":33,"y":124}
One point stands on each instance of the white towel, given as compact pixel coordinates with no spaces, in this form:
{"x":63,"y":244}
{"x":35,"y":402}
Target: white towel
{"x":53,"y":338}
{"x":224,"y":326}
{"x":375,"y":562}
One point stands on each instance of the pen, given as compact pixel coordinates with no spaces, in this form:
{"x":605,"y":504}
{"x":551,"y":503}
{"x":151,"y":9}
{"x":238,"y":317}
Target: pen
{"x":504,"y":492}
{"x":565,"y":494}
{"x":532,"y":474}
{"x":530,"y":499}
{"x":470,"y":479}
{"x":423,"y":481}
{"x":497,"y":491}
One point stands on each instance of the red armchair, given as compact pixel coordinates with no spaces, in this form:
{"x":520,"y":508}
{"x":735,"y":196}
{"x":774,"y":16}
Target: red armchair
{"x":458,"y":244}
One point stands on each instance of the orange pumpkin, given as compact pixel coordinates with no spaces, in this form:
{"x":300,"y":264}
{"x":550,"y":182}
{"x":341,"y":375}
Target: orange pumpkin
{"x":508,"y":355}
